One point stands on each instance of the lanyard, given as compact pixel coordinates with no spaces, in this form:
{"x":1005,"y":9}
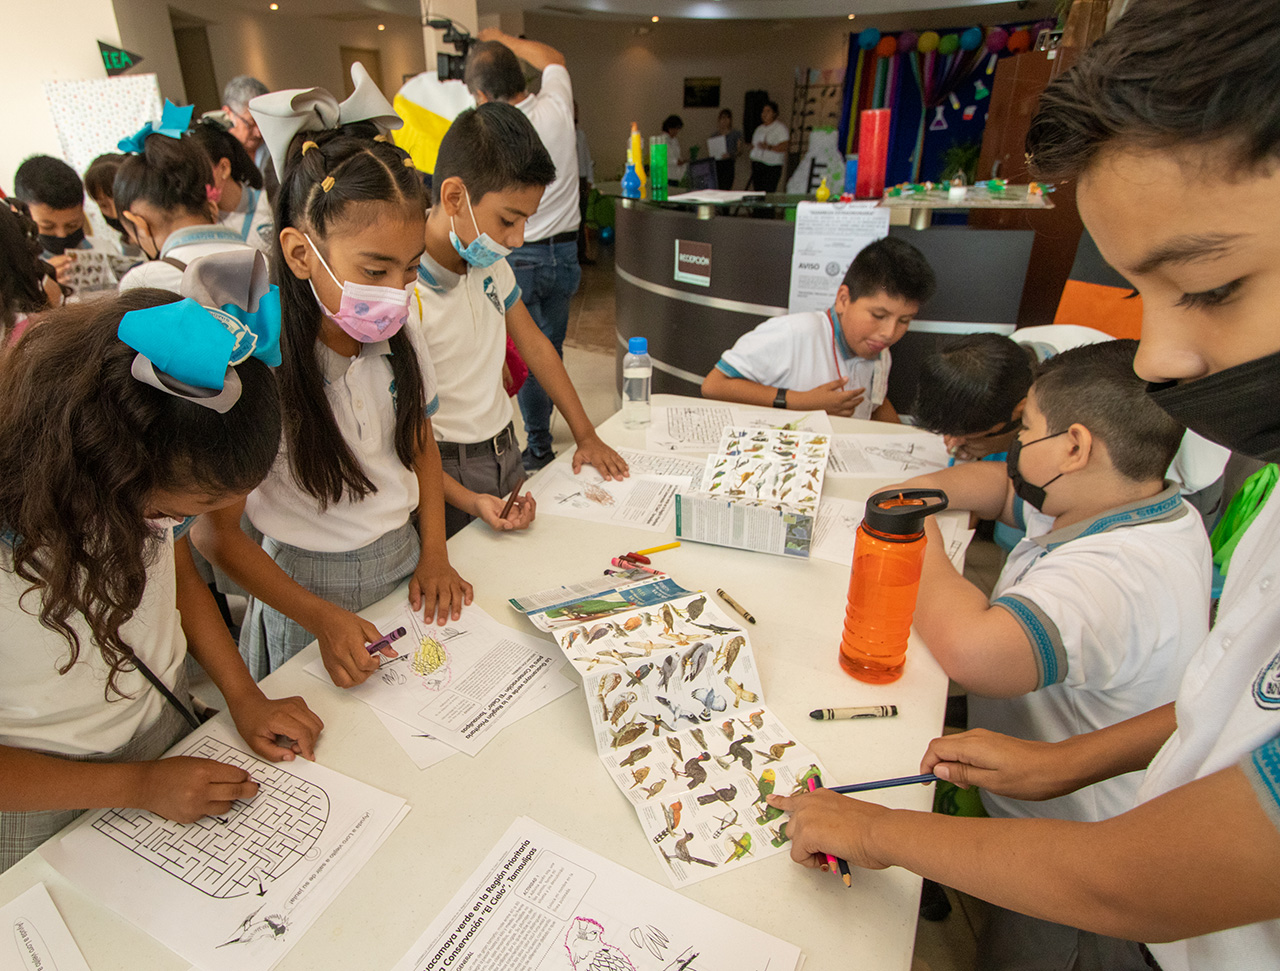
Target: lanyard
{"x":835,"y":354}
{"x":190,"y":235}
{"x":248,"y":216}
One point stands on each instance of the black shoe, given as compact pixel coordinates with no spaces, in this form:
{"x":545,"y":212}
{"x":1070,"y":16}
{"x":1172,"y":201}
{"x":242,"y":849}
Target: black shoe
{"x":533,"y":461}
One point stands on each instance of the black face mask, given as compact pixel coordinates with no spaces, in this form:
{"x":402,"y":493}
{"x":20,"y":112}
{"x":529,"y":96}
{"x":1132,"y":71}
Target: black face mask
{"x":1032,"y":495}
{"x":1238,"y":408}
{"x":115,"y":223}
{"x":57,"y":245}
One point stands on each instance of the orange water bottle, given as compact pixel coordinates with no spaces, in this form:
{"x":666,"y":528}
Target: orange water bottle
{"x":887,"y":559}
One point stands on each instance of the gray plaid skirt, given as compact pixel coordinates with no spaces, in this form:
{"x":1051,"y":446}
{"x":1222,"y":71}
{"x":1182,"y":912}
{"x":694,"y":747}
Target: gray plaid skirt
{"x":22,"y":832}
{"x":352,"y":580}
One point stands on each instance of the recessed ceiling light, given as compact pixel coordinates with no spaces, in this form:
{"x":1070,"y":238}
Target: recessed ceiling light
{"x":275,"y":6}
{"x":382,"y":26}
{"x":654,"y":18}
{"x":852,"y":15}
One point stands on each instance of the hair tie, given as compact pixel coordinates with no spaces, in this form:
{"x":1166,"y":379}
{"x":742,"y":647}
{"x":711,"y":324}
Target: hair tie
{"x":382,"y":138}
{"x":308,"y":146}
{"x":327,"y":184}
{"x":408,"y":163}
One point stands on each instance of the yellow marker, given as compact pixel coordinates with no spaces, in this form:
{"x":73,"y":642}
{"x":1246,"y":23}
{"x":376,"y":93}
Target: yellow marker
{"x":658,"y":549}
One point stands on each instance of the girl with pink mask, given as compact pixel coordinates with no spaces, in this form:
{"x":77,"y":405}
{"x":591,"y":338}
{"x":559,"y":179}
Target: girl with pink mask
{"x":358,"y":458}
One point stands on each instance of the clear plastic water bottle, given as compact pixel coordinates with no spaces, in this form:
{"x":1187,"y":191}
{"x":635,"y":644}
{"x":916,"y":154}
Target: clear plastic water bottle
{"x":637,"y":374}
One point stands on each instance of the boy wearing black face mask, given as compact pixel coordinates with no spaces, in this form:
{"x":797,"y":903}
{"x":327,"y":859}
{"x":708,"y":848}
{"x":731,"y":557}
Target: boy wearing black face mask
{"x":55,"y":196}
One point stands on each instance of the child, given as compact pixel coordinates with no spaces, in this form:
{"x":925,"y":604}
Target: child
{"x":835,"y":361}
{"x":972,"y":392}
{"x":489,"y":178}
{"x":27,"y":282}
{"x":242,"y":202}
{"x":672,"y":125}
{"x":1168,"y":93}
{"x":161,"y":192}
{"x":99,"y":183}
{"x":358,"y":390}
{"x":103,"y":455}
{"x":54,"y":196}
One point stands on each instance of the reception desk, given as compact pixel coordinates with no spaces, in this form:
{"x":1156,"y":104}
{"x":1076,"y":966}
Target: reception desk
{"x":743,"y":253}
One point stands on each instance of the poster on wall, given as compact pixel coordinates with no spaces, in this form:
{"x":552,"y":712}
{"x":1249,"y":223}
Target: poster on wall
{"x":116,"y":60}
{"x":828,"y":236}
{"x":702,"y":92}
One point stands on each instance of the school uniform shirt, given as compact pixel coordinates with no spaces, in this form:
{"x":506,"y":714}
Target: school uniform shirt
{"x":770,"y":134}
{"x":361,"y":393}
{"x":462,"y":317}
{"x":1113,"y":608}
{"x":184,"y":245}
{"x":69,"y":714}
{"x":1198,"y":462}
{"x":1228,"y":709}
{"x":801,"y":351}
{"x":252,"y":220}
{"x":551,"y":112}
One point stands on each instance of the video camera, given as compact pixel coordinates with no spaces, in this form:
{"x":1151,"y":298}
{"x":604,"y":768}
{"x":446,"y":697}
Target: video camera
{"x":450,"y":67}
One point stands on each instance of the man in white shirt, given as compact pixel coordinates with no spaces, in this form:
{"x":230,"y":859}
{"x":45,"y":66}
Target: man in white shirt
{"x":546,"y":266}
{"x":769,"y":143}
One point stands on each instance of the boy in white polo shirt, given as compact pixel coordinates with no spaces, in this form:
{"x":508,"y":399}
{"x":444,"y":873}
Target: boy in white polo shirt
{"x":489,"y":178}
{"x":835,"y":360}
{"x":1096,"y":612}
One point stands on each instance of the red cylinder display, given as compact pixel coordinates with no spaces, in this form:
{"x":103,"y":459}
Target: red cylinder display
{"x":873,"y":153}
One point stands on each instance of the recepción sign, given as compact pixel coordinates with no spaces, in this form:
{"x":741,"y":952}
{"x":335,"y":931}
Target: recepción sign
{"x":693,"y":262}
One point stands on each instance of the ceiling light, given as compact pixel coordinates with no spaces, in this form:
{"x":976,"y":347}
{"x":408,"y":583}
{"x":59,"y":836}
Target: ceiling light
{"x":654,"y":18}
{"x":852,"y":15}
{"x":275,"y":6}
{"x":382,"y":26}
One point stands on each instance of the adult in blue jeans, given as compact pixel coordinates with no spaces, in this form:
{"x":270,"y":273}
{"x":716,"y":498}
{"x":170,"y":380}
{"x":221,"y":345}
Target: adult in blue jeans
{"x":546,"y":266}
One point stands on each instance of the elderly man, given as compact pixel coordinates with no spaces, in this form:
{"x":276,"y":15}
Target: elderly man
{"x":237,"y":94}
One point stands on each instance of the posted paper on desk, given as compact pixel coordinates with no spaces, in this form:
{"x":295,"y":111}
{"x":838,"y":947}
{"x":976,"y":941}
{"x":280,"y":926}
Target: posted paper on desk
{"x":460,"y":682}
{"x":828,"y":236}
{"x":35,"y":937}
{"x":233,"y":892}
{"x":699,"y":428}
{"x":882,"y":455}
{"x":638,"y":501}
{"x":539,"y":902}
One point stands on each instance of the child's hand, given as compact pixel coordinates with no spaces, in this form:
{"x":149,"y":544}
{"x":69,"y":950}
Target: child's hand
{"x":438,"y":590}
{"x":489,"y":508}
{"x":1001,"y":764}
{"x":592,"y":451}
{"x":825,"y":822}
{"x":343,"y":636}
{"x":267,"y":725}
{"x":832,"y":397}
{"x":184,"y":789}
{"x":63,"y":265}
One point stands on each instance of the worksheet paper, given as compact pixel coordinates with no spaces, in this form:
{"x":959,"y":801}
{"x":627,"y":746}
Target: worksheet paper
{"x":839,"y":519}
{"x":679,"y":719}
{"x":539,"y":902}
{"x":828,"y":236}
{"x":233,"y":892}
{"x":699,"y":428}
{"x":638,"y":501}
{"x":34,"y":937}
{"x":460,"y":682}
{"x":881,"y":455}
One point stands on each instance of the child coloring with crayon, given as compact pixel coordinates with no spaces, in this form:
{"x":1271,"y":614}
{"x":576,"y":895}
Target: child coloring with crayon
{"x":106,"y":457}
{"x":358,"y":456}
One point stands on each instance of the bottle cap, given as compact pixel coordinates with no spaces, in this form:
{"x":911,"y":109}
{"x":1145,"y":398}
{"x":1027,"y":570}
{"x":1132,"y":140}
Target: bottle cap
{"x":901,"y":512}
{"x":638,"y":345}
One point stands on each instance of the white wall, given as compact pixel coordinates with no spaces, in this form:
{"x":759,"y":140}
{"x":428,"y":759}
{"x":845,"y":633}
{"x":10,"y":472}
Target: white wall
{"x":31,"y":59}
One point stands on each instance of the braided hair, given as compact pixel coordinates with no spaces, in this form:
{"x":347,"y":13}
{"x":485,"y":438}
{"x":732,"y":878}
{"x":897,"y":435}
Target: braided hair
{"x":325,"y":174}
{"x":22,"y":271}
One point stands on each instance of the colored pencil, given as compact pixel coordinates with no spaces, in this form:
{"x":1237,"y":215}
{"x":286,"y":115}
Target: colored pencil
{"x":905,"y":780}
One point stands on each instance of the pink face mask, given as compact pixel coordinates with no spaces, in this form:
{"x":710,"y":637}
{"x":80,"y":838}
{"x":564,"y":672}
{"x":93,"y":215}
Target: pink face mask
{"x":367,"y":313}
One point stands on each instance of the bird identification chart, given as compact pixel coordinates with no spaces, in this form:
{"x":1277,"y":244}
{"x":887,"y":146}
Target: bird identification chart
{"x":35,"y":936}
{"x":699,"y":428}
{"x":462,"y":682}
{"x":539,"y":902}
{"x":680,"y":723}
{"x":639,"y":501}
{"x":233,"y":892}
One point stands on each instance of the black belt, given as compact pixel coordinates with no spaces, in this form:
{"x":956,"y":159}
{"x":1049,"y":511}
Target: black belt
{"x":568,"y":236}
{"x":500,"y":443}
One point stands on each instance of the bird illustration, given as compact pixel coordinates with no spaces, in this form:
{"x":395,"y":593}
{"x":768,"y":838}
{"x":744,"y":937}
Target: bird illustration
{"x":668,"y":619}
{"x":739,"y":847}
{"x":672,"y":813}
{"x":695,"y":660}
{"x":631,"y":623}
{"x":622,"y":657}
{"x":738,"y":750}
{"x":597,"y":632}
{"x":717,"y":629}
{"x":768,"y":779}
{"x":756,"y":718}
{"x":638,"y":675}
{"x":608,"y":682}
{"x":639,"y":775}
{"x":682,"y":851}
{"x":740,"y":694}
{"x":679,"y":712}
{"x":780,"y":837}
{"x":729,"y":652}
{"x":725,"y":795}
{"x":574,"y":634}
{"x":694,"y":610}
{"x":683,"y":640}
{"x":674,"y":743}
{"x":589,"y":951}
{"x":620,"y":709}
{"x":710,"y":700}
{"x":729,"y":819}
{"x":693,"y":770}
{"x":726,"y":728}
{"x":658,"y":722}
{"x":667,"y":670}
{"x":593,"y":659}
{"x":802,"y":781}
{"x":627,"y":734}
{"x":650,"y":646}
{"x":635,"y":755}
{"x":653,"y":790}
{"x":776,"y":752}
{"x":698,"y":737}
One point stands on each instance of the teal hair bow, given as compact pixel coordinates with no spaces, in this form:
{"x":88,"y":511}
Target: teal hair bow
{"x":174,"y":120}
{"x":190,"y":348}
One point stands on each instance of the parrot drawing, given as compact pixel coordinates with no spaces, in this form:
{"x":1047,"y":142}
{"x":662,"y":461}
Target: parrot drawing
{"x":739,"y":847}
{"x":589,"y":951}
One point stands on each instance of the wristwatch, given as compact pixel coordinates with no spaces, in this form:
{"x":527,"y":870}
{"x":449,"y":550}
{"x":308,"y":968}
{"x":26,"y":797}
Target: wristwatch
{"x":780,"y":399}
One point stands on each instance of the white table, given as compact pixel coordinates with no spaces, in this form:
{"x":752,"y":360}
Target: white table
{"x":546,"y":766}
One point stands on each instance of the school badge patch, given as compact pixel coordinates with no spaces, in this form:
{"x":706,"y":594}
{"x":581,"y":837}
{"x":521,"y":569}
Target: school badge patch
{"x":491,"y":291}
{"x":1266,"y":687}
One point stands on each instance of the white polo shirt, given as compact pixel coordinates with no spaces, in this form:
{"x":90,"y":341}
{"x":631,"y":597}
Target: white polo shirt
{"x":551,"y":111}
{"x":252,"y":220}
{"x":463,"y":319}
{"x":69,"y":713}
{"x":770,"y":134}
{"x":1113,"y":607}
{"x":184,"y":245}
{"x":804,"y":350}
{"x":360,"y":391}
{"x":1228,"y":709}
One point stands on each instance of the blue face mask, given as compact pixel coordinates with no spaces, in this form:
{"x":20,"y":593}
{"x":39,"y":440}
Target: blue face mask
{"x":481,"y":251}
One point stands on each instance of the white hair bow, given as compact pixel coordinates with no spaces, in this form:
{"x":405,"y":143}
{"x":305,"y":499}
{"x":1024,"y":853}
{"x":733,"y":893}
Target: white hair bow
{"x":282,"y":114}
